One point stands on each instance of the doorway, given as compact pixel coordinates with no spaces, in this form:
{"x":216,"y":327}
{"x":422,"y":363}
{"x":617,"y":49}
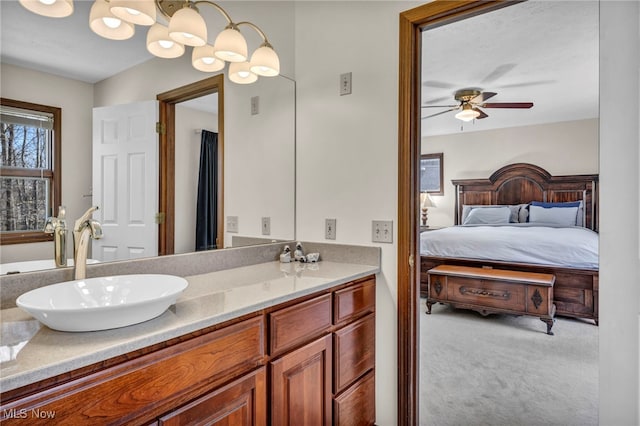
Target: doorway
{"x":412,"y":24}
{"x":167,"y":129}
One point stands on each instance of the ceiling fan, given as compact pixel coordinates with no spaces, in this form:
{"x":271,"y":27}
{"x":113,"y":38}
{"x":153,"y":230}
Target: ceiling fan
{"x":470,"y":102}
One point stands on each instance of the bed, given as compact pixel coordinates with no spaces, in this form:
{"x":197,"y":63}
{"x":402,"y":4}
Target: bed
{"x":501,"y":220}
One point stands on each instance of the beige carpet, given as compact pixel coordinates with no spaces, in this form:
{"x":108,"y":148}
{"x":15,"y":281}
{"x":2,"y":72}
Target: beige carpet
{"x":505,"y":370}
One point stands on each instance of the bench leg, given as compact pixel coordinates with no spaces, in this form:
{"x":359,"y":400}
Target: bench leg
{"x":549,"y":325}
{"x":429,"y":307}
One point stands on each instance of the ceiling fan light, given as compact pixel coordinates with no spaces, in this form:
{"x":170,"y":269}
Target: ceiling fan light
{"x":265,"y":61}
{"x":240,"y":72}
{"x":49,"y":8}
{"x":204,"y":60}
{"x":105,"y":24}
{"x":230,"y":45}
{"x":188,"y":27}
{"x":467,"y":113}
{"x":139,"y":12}
{"x":161,"y":45}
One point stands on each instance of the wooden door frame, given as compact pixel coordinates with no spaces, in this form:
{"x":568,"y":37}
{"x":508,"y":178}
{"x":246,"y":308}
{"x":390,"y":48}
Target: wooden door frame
{"x":412,"y":23}
{"x":167,"y":173}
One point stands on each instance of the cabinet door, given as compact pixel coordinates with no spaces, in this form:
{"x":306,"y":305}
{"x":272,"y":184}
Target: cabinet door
{"x":242,"y":403}
{"x":301,"y":385}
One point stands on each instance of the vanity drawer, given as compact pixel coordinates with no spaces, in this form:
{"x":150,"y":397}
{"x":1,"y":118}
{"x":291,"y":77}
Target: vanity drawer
{"x":131,"y":392}
{"x":354,"y":349}
{"x":298,"y":324}
{"x":354,"y":301}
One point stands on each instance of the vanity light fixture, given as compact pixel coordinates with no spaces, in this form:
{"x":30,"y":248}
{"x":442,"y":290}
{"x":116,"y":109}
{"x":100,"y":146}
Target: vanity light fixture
{"x":116,"y":20}
{"x":467,"y":113}
{"x":49,"y":8}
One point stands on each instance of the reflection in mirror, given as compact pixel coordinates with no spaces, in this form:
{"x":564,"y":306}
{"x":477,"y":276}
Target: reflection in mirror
{"x":262,"y":186}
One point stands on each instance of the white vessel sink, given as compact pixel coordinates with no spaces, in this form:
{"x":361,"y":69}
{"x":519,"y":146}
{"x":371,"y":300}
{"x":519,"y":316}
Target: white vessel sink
{"x":34,"y":265}
{"x":102,"y":303}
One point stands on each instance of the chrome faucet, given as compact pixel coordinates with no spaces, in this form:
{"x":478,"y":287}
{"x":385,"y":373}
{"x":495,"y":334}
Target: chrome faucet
{"x":85,"y":228}
{"x":58,"y":227}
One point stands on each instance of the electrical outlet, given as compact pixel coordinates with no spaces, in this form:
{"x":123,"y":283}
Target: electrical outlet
{"x":255,"y":105}
{"x":232,"y":223}
{"x":382,"y":231}
{"x":345,"y":84}
{"x":266,"y":226}
{"x":329,"y":229}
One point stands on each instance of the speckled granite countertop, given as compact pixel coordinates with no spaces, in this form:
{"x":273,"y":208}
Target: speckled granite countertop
{"x":30,"y":352}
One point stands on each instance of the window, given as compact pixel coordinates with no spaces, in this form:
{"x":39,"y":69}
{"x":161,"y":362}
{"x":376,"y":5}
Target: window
{"x":431,"y":174}
{"x":30,"y":163}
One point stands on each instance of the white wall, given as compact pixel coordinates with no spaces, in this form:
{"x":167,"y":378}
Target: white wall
{"x":187,"y":159}
{"x":619,"y":212}
{"x":563,"y":148}
{"x":76,"y":100}
{"x":347,"y":146}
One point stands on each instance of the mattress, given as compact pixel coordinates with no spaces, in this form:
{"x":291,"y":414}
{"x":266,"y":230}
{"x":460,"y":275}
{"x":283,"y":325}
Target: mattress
{"x":570,"y":247}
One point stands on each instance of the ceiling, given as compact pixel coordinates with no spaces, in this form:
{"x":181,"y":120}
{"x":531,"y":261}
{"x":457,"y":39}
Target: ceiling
{"x":545,"y":52}
{"x":526,"y":52}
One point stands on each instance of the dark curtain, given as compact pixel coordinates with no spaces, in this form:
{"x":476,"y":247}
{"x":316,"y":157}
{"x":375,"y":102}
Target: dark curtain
{"x":206,"y":218}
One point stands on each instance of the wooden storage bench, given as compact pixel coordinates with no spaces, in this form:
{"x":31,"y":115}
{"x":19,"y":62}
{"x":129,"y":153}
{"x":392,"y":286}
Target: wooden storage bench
{"x":493,"y":291}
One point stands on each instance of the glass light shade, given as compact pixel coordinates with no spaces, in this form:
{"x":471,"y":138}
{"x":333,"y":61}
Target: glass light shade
{"x":161,"y":45}
{"x":49,"y":8}
{"x":467,"y":113}
{"x":204,"y":60}
{"x":240,"y":72}
{"x":231,"y":46}
{"x":139,"y":12}
{"x":103,"y":23}
{"x":188,"y":27}
{"x":265,"y":61}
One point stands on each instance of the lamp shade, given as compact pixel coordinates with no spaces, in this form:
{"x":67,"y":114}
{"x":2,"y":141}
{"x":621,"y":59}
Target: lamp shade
{"x":139,"y":12}
{"x":188,"y":27}
{"x":103,"y":23}
{"x":49,"y":8}
{"x":426,"y":200}
{"x":467,"y":113}
{"x":230,"y":45}
{"x":265,"y":61}
{"x":204,"y":60}
{"x":240,"y":72}
{"x":161,"y":45}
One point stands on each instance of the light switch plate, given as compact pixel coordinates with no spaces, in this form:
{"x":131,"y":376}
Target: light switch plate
{"x":345,"y":84}
{"x":232,"y":223}
{"x":382,"y":231}
{"x":266,"y":226}
{"x":330,"y":229}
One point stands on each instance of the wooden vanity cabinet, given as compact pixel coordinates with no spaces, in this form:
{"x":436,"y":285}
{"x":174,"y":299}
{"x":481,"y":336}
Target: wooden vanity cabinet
{"x":306,"y":361}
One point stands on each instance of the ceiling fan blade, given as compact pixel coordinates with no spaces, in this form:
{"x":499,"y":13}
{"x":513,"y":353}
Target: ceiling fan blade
{"x":508,"y":105}
{"x":498,"y":72}
{"x":440,"y":113}
{"x":482,"y":114}
{"x":437,"y":100}
{"x":438,"y":84}
{"x":440,"y":106}
{"x":527,"y":84}
{"x":482,"y":97}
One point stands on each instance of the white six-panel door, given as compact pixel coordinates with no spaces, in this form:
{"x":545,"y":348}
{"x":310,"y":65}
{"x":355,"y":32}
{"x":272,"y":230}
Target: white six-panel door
{"x":125,"y":180}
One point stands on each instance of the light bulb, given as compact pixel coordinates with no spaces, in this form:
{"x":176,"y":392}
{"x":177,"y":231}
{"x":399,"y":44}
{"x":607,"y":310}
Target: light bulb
{"x":112,"y":23}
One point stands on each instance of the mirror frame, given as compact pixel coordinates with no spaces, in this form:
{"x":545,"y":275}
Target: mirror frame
{"x":167,"y":172}
{"x":412,"y":23}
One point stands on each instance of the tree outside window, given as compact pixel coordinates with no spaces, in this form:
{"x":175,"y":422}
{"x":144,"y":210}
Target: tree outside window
{"x":30,"y":163}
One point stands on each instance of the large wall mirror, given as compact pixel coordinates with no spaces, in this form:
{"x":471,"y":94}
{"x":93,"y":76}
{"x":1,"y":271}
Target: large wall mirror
{"x":258,"y":161}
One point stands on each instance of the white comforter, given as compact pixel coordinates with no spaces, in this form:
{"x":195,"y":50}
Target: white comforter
{"x":573,"y":247}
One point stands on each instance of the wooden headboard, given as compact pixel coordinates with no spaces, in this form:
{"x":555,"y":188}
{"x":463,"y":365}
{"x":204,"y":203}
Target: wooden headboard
{"x":522,"y":183}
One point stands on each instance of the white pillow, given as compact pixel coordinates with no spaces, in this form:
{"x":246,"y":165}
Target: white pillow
{"x":488,"y":216}
{"x":563,"y":216}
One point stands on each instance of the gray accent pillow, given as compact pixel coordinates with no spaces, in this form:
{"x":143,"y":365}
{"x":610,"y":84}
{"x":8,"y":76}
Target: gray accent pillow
{"x":488,"y":216}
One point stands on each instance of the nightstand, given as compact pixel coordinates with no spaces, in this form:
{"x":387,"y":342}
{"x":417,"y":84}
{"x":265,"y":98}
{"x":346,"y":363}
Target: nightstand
{"x":430,"y":228}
